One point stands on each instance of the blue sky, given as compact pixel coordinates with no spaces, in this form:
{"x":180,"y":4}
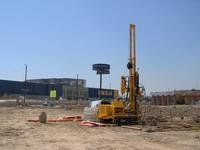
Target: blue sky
{"x":60,"y":38}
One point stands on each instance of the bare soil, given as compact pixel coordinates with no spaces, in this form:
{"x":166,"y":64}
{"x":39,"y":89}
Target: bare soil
{"x":18,"y":134}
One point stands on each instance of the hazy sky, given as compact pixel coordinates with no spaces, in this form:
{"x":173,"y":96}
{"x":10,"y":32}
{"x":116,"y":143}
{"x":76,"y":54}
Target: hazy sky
{"x":60,"y":38}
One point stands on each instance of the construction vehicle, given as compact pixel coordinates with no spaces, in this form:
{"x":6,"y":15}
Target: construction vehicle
{"x":128,"y":109}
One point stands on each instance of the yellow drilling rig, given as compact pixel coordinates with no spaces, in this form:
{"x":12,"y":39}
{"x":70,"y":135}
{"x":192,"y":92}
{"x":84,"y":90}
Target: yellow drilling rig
{"x":124,"y":109}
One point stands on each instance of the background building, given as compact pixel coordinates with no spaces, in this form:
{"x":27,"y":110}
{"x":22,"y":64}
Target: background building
{"x":67,"y":88}
{"x":176,"y":97}
{"x":61,"y":81}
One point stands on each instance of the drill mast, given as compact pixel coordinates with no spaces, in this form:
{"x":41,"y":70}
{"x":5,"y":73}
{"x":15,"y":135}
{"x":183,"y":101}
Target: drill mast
{"x":132,"y":70}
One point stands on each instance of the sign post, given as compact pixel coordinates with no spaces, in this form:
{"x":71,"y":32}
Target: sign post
{"x":101,"y":69}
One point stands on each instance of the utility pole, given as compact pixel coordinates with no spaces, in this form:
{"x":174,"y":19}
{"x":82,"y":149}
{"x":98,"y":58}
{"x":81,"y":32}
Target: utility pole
{"x":77,"y":90}
{"x":25,"y":82}
{"x":100,"y":86}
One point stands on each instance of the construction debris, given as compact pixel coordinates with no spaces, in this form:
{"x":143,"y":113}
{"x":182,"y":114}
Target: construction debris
{"x":43,"y":117}
{"x":33,"y":120}
{"x":66,"y":118}
{"x":132,"y":127}
{"x":92,"y":124}
{"x":173,"y":126}
{"x":196,"y":119}
{"x":165,"y":113}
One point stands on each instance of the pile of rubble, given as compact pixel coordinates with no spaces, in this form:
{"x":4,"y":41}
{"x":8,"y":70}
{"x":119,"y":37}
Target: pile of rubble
{"x":170,"y":113}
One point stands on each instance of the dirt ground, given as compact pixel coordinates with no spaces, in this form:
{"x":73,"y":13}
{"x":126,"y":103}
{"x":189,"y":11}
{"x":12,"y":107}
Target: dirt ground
{"x":18,"y":134}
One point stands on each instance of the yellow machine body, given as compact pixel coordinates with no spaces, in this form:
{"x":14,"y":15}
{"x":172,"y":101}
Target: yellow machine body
{"x":114,"y":111}
{"x":117,"y":107}
{"x":104,"y":111}
{"x":111,"y":111}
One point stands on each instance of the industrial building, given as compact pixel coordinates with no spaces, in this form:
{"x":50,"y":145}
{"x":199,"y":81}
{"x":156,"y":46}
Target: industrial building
{"x":176,"y":97}
{"x":61,"y":81}
{"x":67,"y":88}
